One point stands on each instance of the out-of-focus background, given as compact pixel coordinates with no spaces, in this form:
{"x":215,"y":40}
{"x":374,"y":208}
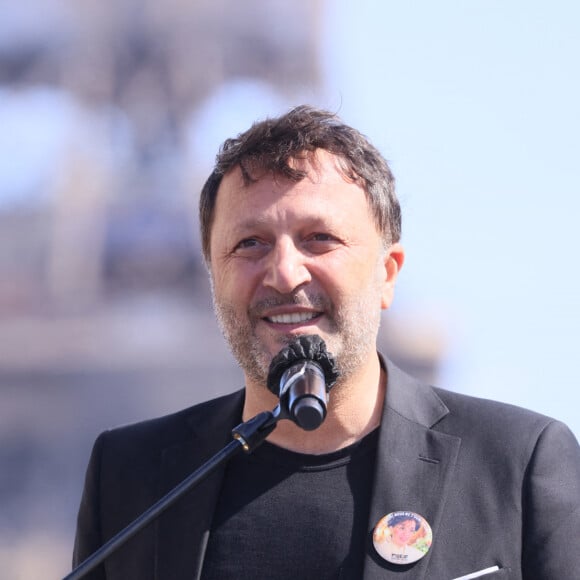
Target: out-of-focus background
{"x":110,"y":116}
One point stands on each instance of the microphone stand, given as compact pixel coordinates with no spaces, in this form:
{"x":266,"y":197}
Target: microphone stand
{"x":247,"y":436}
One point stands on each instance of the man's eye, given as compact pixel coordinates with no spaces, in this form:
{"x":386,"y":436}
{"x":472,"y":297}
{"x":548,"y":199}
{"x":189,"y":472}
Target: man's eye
{"x":249,"y":246}
{"x":321,"y":242}
{"x":320,"y":237}
{"x":247,"y":243}
{"x":323,"y":237}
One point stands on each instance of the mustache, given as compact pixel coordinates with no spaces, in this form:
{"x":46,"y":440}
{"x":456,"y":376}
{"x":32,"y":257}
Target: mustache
{"x":314,"y":301}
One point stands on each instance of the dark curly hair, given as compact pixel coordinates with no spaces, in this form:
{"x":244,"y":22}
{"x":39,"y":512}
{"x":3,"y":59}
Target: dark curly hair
{"x":399,"y":517}
{"x":270,"y":145}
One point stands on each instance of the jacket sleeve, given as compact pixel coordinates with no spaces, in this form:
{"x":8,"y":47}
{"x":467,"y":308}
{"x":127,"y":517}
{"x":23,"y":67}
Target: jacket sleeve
{"x":551,"y":506}
{"x":88,"y":534}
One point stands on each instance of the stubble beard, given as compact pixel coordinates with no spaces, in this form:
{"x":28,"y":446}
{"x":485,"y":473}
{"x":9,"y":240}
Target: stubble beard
{"x":350,"y":338}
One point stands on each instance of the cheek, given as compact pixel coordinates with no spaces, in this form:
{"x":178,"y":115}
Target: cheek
{"x":352,"y":272}
{"x":234,"y":282}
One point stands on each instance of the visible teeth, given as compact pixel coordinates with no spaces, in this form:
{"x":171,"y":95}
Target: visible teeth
{"x":292,"y":318}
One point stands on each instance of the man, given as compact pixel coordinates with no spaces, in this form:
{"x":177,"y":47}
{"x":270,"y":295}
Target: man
{"x":300,"y":230}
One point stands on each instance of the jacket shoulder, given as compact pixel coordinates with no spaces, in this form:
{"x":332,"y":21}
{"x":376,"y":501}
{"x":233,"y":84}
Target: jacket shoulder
{"x":499,"y":429}
{"x":489,"y":412}
{"x":164,"y":431}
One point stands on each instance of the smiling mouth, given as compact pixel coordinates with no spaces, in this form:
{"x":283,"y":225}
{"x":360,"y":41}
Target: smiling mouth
{"x":294,"y":318}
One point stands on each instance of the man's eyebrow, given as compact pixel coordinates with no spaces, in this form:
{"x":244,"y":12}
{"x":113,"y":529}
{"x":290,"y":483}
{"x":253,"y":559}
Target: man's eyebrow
{"x":248,"y":223}
{"x":257,"y":221}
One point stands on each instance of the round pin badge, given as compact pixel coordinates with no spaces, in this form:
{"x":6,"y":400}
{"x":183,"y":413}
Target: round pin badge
{"x":402,"y":537}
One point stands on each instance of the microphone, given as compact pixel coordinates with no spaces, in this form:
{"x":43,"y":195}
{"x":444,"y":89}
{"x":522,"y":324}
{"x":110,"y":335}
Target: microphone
{"x":301,"y":376}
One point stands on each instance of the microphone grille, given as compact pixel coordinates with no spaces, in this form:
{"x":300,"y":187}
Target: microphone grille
{"x":309,"y":347}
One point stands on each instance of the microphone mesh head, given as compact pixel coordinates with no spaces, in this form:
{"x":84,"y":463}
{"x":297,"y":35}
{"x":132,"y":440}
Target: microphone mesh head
{"x":310,"y":347}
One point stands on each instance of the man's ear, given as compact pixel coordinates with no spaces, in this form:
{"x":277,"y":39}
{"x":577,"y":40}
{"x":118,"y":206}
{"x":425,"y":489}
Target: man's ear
{"x":393,"y":262}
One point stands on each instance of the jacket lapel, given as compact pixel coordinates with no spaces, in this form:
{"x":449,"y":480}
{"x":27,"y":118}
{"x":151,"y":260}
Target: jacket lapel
{"x":414,"y":467}
{"x":182,"y":532}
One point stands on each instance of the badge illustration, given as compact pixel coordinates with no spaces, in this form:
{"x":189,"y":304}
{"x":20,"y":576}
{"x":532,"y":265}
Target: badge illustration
{"x":402,"y":537}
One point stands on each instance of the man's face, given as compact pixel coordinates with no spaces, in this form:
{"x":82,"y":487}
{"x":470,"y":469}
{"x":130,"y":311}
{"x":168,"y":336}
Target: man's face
{"x":294,"y":258}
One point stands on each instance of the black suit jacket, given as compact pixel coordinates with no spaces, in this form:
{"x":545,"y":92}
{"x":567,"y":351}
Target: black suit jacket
{"x":499,"y":485}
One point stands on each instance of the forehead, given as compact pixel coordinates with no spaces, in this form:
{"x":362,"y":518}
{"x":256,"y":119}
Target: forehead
{"x":324,"y":181}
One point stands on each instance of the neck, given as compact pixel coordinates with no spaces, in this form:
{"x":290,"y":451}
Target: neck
{"x":354,"y":410}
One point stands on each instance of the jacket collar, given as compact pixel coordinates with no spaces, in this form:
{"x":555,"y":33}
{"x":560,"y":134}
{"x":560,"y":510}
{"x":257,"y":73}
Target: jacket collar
{"x":410,"y":398}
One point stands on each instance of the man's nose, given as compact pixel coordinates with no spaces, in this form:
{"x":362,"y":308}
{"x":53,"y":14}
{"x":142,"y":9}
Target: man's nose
{"x":286,"y":268}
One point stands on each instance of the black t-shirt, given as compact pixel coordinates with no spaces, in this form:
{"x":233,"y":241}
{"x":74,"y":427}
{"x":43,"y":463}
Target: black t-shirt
{"x":284,"y":515}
